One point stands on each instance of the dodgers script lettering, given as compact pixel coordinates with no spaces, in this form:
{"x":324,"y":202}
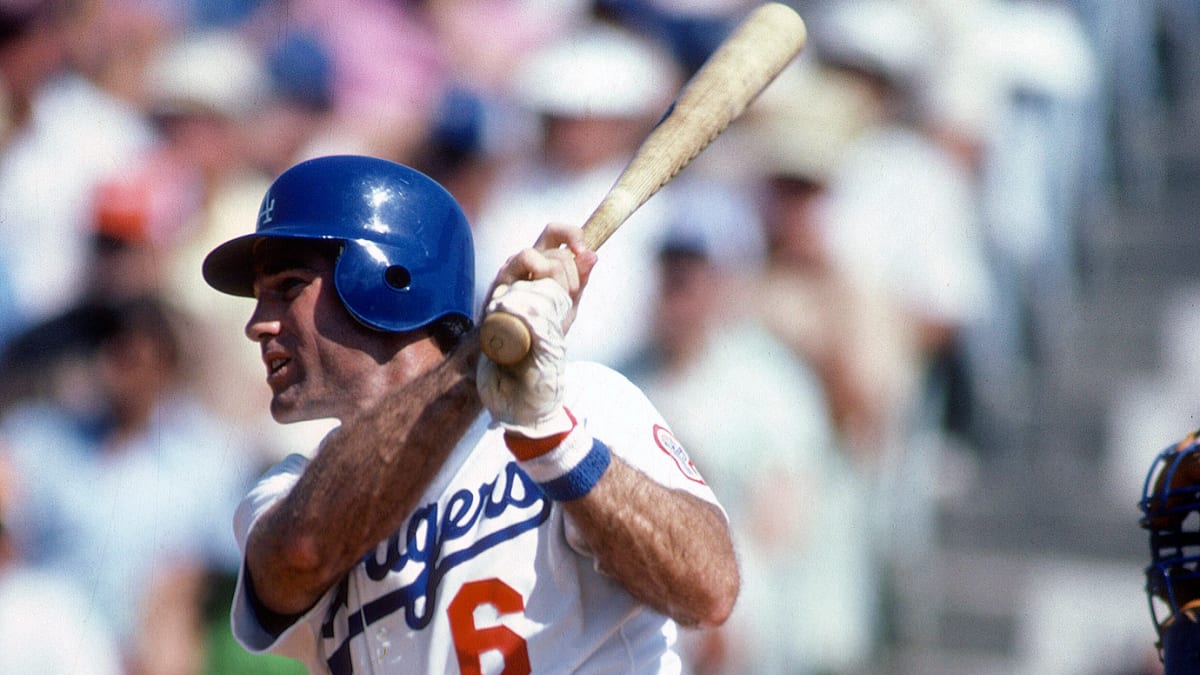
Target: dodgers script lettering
{"x":498,"y":511}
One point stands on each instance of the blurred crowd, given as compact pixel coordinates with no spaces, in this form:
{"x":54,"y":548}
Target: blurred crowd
{"x":835,"y":306}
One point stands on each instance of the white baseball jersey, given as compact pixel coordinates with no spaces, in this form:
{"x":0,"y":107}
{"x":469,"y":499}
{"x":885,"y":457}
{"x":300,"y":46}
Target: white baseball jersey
{"x":487,"y":575}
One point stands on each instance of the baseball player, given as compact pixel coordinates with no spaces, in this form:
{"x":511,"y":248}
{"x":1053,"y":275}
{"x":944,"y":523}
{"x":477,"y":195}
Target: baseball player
{"x":1170,"y":500}
{"x":463,"y":518}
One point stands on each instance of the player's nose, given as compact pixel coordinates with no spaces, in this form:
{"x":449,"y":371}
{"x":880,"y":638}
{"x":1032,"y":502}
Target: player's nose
{"x":261,"y":327}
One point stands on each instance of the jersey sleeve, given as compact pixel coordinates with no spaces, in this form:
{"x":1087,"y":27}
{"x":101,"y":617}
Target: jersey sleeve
{"x":619,"y":414}
{"x":299,"y":640}
{"x":272,"y":486}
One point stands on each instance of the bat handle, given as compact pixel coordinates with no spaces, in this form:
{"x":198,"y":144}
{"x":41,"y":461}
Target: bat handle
{"x":504,"y":338}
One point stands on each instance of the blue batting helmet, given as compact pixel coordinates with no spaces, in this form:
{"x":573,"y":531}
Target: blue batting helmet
{"x":407,"y":257}
{"x":1170,"y":506}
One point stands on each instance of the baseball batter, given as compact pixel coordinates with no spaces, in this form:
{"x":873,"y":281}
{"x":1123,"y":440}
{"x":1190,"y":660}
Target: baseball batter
{"x":463,"y":518}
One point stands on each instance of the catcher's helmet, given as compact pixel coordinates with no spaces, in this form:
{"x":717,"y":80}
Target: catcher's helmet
{"x":406,"y":260}
{"x":1171,"y":512}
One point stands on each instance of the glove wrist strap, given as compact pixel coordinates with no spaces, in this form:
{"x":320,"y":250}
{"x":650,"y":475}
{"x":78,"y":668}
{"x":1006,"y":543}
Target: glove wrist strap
{"x":566,"y":466}
{"x":555,"y":425}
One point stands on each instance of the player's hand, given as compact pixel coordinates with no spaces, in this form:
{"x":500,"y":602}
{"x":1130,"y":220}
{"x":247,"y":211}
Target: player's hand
{"x":527,"y":397}
{"x":541,"y":286}
{"x":559,"y":254}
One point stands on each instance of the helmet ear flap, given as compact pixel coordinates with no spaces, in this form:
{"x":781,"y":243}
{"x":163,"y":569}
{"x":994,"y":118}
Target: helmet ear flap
{"x":375,"y":291}
{"x":395,"y":288}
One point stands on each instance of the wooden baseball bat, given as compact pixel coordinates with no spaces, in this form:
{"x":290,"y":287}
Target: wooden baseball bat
{"x":732,"y":77}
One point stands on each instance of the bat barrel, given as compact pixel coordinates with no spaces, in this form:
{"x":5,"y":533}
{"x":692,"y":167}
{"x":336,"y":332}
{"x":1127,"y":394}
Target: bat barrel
{"x":732,"y":77}
{"x":728,"y":81}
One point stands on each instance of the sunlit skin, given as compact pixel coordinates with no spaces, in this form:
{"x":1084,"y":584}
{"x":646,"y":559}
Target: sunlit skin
{"x":320,"y":362}
{"x":403,"y":405}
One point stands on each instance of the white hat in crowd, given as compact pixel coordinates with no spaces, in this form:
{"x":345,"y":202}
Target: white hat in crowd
{"x":889,"y":38}
{"x":214,"y":72}
{"x":600,"y":71}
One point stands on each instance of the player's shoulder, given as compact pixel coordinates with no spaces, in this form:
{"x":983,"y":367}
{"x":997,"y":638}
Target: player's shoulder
{"x":591,"y":379}
{"x":605,"y":396}
{"x":589,"y":368}
{"x":271,"y":486}
{"x":278,"y":478}
{"x":292,"y":463}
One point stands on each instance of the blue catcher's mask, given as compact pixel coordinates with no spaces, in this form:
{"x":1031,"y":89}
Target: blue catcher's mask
{"x":407,"y":258}
{"x":1170,"y":507}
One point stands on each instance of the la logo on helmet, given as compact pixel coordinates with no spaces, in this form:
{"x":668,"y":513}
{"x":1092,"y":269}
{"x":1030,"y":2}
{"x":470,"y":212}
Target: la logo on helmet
{"x":264,"y":216}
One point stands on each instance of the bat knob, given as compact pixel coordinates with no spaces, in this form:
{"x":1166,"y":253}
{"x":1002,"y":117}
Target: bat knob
{"x":504,"y":338}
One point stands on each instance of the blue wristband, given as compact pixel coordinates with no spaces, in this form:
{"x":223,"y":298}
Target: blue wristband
{"x":580,"y":480}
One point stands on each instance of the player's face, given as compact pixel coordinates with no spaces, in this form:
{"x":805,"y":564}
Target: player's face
{"x":320,"y":362}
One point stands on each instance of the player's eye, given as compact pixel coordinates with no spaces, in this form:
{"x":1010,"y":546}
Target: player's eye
{"x":290,"y":286}
{"x":284,"y":285}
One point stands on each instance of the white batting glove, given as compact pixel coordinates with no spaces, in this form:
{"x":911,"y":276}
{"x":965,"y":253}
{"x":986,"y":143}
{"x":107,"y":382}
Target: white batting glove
{"x":527,"y":397}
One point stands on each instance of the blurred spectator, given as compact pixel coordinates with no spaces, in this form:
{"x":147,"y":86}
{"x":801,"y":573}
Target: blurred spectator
{"x":50,"y":361}
{"x":298,"y":107}
{"x":853,"y":330}
{"x":1015,"y":96}
{"x":388,"y":70}
{"x":132,"y":222}
{"x":463,"y":152}
{"x":906,"y":210}
{"x":111,"y":42}
{"x":482,"y":57}
{"x":478,"y":129}
{"x":45,"y":623}
{"x":597,"y":93}
{"x":904,"y":214}
{"x":853,"y":333}
{"x":131,"y":482}
{"x":201,"y":91}
{"x":205,"y":92}
{"x":62,"y":132}
{"x":798,"y":508}
{"x":691,"y":29}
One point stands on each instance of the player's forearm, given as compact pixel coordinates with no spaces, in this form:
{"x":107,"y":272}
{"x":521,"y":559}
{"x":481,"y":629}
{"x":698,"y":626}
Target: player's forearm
{"x":361,"y":485}
{"x":669,"y":549}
